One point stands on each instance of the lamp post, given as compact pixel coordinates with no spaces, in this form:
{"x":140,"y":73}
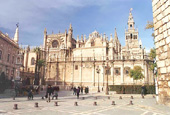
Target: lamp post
{"x":98,"y":71}
{"x":107,"y":68}
{"x":107,"y":72}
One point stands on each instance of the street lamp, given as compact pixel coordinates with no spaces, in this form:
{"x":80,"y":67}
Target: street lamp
{"x":107,"y":67}
{"x":98,"y":71}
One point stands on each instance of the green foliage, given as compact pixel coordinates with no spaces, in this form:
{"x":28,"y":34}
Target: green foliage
{"x":40,"y":63}
{"x":150,"y":25}
{"x":152,"y":56}
{"x":136,"y":73}
{"x":132,"y":89}
{"x":37,"y":50}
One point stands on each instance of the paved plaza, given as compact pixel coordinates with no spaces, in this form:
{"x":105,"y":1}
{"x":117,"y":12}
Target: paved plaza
{"x":66,"y":100}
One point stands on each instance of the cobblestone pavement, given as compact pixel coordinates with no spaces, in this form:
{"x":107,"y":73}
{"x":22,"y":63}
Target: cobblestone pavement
{"x":66,"y":100}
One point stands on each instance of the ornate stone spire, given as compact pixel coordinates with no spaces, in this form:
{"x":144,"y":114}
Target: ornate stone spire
{"x":115,"y":36}
{"x":45,"y":31}
{"x":82,"y":38}
{"x":131,"y":21}
{"x":70,"y":26}
{"x":111,"y":39}
{"x":77,"y":38}
{"x":65,"y":31}
{"x":104,"y":37}
{"x":16,"y":36}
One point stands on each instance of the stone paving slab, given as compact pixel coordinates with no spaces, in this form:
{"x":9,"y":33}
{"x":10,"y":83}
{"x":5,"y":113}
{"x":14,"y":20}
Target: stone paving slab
{"x":66,"y":106}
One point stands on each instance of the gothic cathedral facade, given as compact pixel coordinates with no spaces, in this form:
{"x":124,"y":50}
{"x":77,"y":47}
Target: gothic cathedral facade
{"x":90,"y":61}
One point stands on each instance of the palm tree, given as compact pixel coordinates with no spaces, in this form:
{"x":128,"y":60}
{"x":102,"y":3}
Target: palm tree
{"x":40,"y":63}
{"x":37,"y":51}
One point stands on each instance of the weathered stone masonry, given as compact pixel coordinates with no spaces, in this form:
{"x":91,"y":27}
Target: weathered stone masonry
{"x":161,"y":19}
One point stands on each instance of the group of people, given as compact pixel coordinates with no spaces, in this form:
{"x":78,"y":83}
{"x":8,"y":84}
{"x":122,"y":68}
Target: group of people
{"x":51,"y":91}
{"x":76,"y":91}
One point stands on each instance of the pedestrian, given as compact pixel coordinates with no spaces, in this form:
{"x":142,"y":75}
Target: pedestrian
{"x":78,"y":92}
{"x":48,"y":93}
{"x":85,"y":90}
{"x":143,"y":90}
{"x":55,"y":94}
{"x":74,"y":91}
{"x":30,"y":94}
{"x":81,"y":89}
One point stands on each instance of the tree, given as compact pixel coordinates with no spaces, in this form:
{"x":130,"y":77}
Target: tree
{"x":136,"y":73}
{"x":39,"y":64}
{"x":152,"y":56}
{"x":37,"y":51}
{"x":150,"y":25}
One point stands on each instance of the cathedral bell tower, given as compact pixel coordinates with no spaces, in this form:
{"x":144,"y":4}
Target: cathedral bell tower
{"x":131,"y":34}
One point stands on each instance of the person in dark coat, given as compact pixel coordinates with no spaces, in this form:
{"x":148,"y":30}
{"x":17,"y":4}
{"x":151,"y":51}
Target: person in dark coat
{"x":78,"y":92}
{"x":49,"y":92}
{"x":55,"y":94}
{"x":81,"y":89}
{"x":74,"y":91}
{"x":30,"y":95}
{"x":143,"y":90}
{"x":85,"y":90}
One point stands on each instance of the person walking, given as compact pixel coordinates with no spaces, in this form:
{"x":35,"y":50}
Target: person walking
{"x":78,"y":92}
{"x":81,"y":90}
{"x":30,"y":95}
{"x":55,"y":94}
{"x":85,"y":90}
{"x":74,"y":91}
{"x":48,"y":93}
{"x":143,"y":90}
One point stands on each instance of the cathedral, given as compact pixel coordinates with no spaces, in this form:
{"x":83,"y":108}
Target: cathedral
{"x":94,"y":60}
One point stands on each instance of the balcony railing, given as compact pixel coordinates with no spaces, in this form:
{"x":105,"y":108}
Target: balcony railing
{"x":102,"y":58}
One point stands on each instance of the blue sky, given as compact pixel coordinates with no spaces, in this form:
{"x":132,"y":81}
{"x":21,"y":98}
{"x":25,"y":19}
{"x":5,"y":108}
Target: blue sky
{"x":85,"y":15}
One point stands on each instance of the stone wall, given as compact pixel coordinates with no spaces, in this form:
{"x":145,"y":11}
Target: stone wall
{"x":161,"y":17}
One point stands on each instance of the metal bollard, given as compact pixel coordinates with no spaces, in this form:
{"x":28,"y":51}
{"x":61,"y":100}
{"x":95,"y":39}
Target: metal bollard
{"x":43,"y":98}
{"x":143,"y":97}
{"x":75,"y":104}
{"x":130,"y":103}
{"x":131,"y":97}
{"x":56,"y":103}
{"x":120,"y":97}
{"x":113,"y":103}
{"x":36,"y":104}
{"x":108,"y":97}
{"x":95,"y":103}
{"x":15,"y":106}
